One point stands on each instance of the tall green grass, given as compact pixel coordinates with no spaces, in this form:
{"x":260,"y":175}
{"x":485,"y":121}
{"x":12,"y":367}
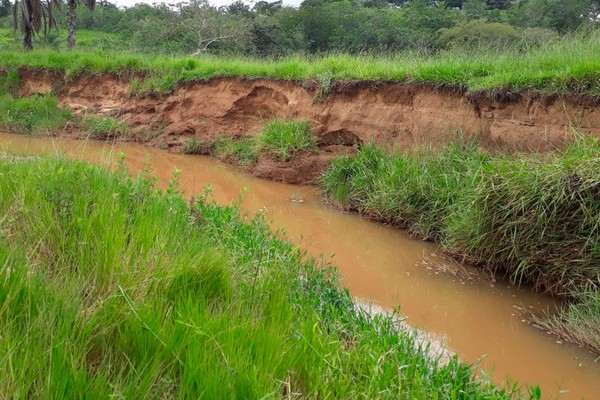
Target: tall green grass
{"x":535,"y":217}
{"x":569,"y":65}
{"x":111,"y":288}
{"x":98,"y":127}
{"x":29,"y":115}
{"x":285,"y":139}
{"x":282,"y":139}
{"x":238,"y":151}
{"x":538,"y":217}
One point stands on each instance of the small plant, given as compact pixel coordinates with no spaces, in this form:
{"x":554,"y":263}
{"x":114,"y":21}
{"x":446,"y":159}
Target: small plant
{"x":242,"y":151}
{"x":105,"y":127}
{"x":192,"y":146}
{"x":286,"y":138}
{"x":325,"y":82}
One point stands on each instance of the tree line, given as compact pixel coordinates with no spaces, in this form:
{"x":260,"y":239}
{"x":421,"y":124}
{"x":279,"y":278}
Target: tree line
{"x":271,"y":30}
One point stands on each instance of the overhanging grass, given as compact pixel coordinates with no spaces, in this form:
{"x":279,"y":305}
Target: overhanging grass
{"x":571,"y":65}
{"x":33,"y":114}
{"x":110,"y":288}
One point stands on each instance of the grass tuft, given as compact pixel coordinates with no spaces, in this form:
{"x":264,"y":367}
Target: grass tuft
{"x":191,"y":146}
{"x":104,"y":127}
{"x":238,"y":151}
{"x":285,"y":139}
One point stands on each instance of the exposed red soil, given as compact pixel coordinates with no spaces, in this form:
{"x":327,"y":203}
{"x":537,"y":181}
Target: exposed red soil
{"x":397,"y":115}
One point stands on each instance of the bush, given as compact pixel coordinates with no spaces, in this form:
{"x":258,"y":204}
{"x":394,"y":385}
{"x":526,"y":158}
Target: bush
{"x":478,"y":33}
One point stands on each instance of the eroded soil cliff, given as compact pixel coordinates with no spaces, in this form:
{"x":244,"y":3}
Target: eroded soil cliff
{"x":398,"y":115}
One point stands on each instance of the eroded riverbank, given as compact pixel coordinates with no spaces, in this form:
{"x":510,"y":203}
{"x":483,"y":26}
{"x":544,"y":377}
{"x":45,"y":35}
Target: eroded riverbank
{"x":473,"y":315}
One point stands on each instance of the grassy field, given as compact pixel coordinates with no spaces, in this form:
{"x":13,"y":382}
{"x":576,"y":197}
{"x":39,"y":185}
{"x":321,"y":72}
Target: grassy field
{"x":110,"y":287}
{"x":535,"y":217}
{"x":571,"y":65}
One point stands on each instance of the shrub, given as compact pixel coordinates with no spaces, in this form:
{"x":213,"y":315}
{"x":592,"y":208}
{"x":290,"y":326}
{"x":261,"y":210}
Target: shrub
{"x":478,"y":33}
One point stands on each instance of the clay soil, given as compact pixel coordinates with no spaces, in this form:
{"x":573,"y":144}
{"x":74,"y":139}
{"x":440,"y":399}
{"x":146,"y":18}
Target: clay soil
{"x":395,"y":115}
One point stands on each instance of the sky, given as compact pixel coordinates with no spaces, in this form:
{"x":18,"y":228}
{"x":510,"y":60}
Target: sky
{"x":217,"y":3}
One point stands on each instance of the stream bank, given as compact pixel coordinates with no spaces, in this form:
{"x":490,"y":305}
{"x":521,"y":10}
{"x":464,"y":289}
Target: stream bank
{"x":479,"y":319}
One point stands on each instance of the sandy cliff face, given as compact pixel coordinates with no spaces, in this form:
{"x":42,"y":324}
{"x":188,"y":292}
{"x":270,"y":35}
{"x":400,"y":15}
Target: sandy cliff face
{"x":394,"y":114}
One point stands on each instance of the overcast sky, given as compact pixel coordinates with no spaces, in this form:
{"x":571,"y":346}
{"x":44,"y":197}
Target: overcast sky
{"x":217,"y":3}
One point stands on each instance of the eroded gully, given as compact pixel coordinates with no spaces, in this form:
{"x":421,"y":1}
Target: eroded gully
{"x":479,"y":319}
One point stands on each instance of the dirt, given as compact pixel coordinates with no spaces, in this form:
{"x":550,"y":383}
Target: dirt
{"x":396,"y":115}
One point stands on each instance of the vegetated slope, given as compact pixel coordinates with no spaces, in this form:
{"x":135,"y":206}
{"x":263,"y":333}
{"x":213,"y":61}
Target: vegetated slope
{"x":110,"y":287}
{"x":535,"y":217}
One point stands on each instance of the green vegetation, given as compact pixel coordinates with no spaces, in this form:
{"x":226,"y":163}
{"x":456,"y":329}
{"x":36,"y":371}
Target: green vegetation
{"x":285,"y":139}
{"x":268,"y":29}
{"x":579,"y":322}
{"x":238,"y":151}
{"x":104,"y":127}
{"x":569,"y":65}
{"x":29,"y":115}
{"x":111,"y":288}
{"x":535,"y":217}
{"x":192,"y":146}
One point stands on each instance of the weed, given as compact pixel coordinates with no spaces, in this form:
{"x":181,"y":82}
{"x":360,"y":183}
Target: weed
{"x":325,"y":83}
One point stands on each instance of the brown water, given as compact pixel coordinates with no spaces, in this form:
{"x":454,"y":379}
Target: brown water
{"x":475,"y":317}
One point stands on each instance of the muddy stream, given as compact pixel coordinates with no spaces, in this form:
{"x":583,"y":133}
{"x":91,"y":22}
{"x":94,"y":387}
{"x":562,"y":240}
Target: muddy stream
{"x":479,"y":319}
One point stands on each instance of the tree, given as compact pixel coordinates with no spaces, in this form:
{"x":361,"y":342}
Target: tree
{"x":474,"y":9}
{"x":478,"y":33}
{"x":30,"y":15}
{"x":4,"y":8}
{"x":72,"y":18}
{"x":266,"y":8}
{"x":560,"y":15}
{"x":210,"y":26}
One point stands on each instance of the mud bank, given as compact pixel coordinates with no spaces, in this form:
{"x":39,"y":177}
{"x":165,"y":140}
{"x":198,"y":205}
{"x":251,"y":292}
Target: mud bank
{"x":396,"y":115}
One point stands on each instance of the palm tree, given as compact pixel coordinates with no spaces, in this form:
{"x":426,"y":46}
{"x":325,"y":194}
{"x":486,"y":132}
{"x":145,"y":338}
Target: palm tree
{"x":72,"y":17}
{"x":29,"y":14}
